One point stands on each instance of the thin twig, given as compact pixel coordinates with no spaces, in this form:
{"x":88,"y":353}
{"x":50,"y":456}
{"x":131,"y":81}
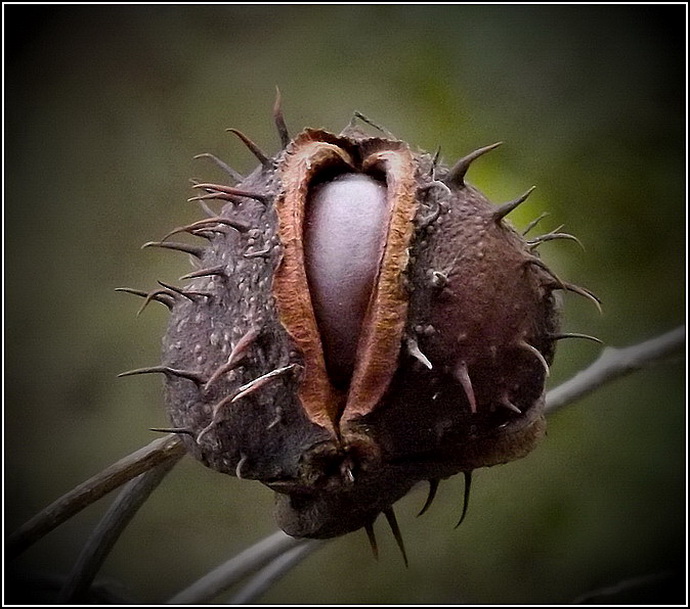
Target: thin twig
{"x":278,"y":567}
{"x":159,"y":451}
{"x":612,"y":364}
{"x":628,"y":587}
{"x":231,"y":572}
{"x":103,"y":538}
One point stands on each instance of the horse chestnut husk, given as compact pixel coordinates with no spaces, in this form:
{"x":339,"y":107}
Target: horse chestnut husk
{"x":359,"y":319}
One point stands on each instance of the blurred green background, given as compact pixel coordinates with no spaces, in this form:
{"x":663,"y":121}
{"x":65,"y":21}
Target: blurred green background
{"x":105,"y":108}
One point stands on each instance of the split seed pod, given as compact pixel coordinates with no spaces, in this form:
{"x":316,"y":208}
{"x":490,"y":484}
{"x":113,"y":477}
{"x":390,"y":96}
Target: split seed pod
{"x":361,"y":319}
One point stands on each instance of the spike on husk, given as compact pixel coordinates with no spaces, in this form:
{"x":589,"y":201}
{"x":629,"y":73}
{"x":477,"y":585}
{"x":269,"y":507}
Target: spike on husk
{"x":456,"y":176}
{"x":395,"y":529}
{"x":279,"y":120}
{"x":253,"y":148}
{"x":503,"y":210}
{"x":466,"y":497}
{"x":235,"y":175}
{"x":433,"y":487}
{"x":462,"y":375}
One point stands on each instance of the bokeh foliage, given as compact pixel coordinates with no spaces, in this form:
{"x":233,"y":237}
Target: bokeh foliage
{"x":105,"y":107}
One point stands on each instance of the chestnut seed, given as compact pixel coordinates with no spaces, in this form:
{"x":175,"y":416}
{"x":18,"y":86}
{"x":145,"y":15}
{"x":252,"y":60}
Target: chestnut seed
{"x":343,"y":241}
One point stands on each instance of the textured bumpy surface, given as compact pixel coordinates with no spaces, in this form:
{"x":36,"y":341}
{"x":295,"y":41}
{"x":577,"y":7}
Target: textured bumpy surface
{"x":360,"y":319}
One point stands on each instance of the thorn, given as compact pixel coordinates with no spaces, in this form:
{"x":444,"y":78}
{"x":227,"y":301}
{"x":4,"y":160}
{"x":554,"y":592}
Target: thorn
{"x":157,"y":295}
{"x":434,"y":161}
{"x":414,"y":350}
{"x":215,"y":270}
{"x":168,"y":302}
{"x":215,"y":411}
{"x":187,"y":374}
{"x":369,"y":528}
{"x":537,"y":241}
{"x":538,"y":262}
{"x":260,"y":382}
{"x":207,"y":223}
{"x":461,"y":374}
{"x":235,"y":175}
{"x":254,"y":385}
{"x":393,"y":523}
{"x":210,"y":233}
{"x":466,"y":497}
{"x":371,"y":123}
{"x":278,"y":418}
{"x":195,"y":183}
{"x":571,"y":287}
{"x":575,"y":335}
{"x":204,"y":206}
{"x":436,"y":184}
{"x":436,"y":211}
{"x":240,"y":463}
{"x":433,"y":487}
{"x":176,"y":290}
{"x":238,"y":225}
{"x":237,"y":354}
{"x":558,"y":228}
{"x":279,"y":120}
{"x":212,"y":196}
{"x":180,"y":247}
{"x":504,"y":401}
{"x":534,"y":351}
{"x":503,"y":210}
{"x":182,"y":430}
{"x":218,"y":190}
{"x":189,"y":294}
{"x":254,"y":149}
{"x":346,"y":471}
{"x":534,"y":222}
{"x":259,"y":253}
{"x":456,"y":175}
{"x":132,"y":291}
{"x":438,"y":280}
